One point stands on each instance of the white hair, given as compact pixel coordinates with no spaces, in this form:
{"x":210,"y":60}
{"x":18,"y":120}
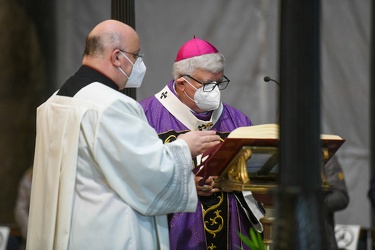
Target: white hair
{"x":213,"y":63}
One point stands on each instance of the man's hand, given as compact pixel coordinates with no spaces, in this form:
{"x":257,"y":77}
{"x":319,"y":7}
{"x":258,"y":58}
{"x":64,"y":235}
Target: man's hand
{"x":200,"y":141}
{"x":208,"y":188}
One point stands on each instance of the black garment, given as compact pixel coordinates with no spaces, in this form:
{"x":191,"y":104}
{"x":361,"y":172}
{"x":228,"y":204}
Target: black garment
{"x":83,"y":77}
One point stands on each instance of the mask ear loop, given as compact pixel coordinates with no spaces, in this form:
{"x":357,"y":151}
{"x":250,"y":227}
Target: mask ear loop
{"x":189,"y":83}
{"x":126,"y":57}
{"x":123,"y":72}
{"x":187,"y":94}
{"x":119,"y":67}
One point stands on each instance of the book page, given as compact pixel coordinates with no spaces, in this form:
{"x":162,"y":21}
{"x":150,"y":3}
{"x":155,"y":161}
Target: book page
{"x":263,"y":131}
{"x":330,"y":137}
{"x":267,"y":131}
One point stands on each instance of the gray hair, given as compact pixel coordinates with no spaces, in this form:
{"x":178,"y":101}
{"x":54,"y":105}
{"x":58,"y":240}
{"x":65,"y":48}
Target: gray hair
{"x":95,"y":45}
{"x":213,"y":63}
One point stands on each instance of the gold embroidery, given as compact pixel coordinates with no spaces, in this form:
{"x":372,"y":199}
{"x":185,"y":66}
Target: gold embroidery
{"x":211,"y":247}
{"x":217,"y":222}
{"x":170,"y":138}
{"x":205,"y":126}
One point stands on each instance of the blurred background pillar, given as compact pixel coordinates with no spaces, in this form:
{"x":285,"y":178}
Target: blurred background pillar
{"x":299,"y":210}
{"x":21,"y":91}
{"x":372,"y":116}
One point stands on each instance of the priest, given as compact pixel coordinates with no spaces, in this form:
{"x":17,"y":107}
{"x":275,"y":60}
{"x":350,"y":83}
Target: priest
{"x":102,"y":178}
{"x":192,"y":102}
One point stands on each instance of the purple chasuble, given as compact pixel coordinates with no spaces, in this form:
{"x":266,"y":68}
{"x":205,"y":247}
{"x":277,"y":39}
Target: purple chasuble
{"x":187,"y":230}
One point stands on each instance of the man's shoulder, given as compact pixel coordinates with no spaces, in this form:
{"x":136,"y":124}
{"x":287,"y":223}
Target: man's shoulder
{"x":102,"y":94}
{"x":94,"y":96}
{"x":236,"y":116}
{"x":149,"y":102}
{"x":232,"y":110}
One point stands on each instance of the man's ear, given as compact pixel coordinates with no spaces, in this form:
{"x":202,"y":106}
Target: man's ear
{"x":180,"y":83}
{"x":115,"y":58}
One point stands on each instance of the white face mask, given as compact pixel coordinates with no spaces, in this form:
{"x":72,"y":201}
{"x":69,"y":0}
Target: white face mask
{"x":138,"y":72}
{"x":206,"y":101}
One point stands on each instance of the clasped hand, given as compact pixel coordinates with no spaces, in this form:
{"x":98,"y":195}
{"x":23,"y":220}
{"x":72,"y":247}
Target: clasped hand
{"x":208,"y":188}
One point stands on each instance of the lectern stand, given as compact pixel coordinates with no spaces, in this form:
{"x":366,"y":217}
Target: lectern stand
{"x":252,"y":164}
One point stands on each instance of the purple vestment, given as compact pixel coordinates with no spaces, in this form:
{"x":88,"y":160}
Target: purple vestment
{"x":187,"y":230}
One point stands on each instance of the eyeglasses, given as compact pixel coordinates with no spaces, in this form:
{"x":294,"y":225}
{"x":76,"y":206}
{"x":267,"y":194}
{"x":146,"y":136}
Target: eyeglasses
{"x":209,"y":86}
{"x":136,"y":55}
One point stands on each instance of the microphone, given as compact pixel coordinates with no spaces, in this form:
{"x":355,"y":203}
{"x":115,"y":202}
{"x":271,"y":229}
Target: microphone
{"x":267,"y":79}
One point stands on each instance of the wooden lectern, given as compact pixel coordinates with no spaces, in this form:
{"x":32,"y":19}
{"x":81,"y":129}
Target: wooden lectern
{"x":248,"y":160}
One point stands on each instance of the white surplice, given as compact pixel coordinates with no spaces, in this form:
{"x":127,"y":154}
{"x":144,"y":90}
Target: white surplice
{"x":102,"y":178}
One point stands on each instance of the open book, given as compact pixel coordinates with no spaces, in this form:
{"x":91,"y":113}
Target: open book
{"x":267,"y":131}
{"x":264,"y":131}
{"x":263,"y":141}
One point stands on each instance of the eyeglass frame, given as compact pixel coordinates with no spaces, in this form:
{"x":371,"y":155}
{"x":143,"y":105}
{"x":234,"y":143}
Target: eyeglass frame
{"x":212,"y":82}
{"x":136,"y":55}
